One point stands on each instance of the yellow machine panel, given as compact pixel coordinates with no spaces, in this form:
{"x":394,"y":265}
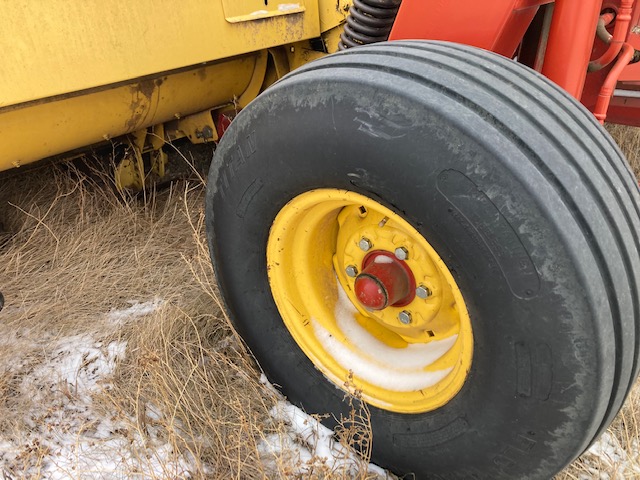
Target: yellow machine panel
{"x":78,"y":73}
{"x":55,"y":47}
{"x":48,"y":128}
{"x":245,"y":10}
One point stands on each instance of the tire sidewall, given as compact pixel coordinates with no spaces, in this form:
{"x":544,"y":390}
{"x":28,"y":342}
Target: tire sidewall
{"x":529,"y":353}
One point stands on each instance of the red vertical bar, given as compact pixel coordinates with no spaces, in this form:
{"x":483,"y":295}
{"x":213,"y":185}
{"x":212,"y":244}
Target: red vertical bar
{"x":573,"y":30}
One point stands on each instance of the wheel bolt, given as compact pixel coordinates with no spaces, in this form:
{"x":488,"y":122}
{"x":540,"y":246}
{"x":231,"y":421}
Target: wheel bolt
{"x":401,"y":253}
{"x":423,"y":292}
{"x":365,"y":244}
{"x":404,"y":317}
{"x":352,"y":271}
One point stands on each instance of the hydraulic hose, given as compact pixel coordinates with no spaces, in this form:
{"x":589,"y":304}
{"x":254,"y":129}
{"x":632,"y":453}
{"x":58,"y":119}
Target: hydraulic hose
{"x":615,"y":41}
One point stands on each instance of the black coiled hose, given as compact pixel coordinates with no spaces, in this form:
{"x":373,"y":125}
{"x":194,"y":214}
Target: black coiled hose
{"x":369,"y":21}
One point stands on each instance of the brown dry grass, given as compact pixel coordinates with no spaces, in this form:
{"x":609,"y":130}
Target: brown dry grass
{"x":628,"y":138}
{"x":73,"y":250}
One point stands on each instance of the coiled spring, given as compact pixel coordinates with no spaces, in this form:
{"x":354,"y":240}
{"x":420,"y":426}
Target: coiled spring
{"x":369,"y":21}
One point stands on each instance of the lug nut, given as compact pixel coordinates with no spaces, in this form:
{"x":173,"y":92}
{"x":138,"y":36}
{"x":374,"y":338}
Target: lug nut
{"x":365,"y":244}
{"x":401,"y":253}
{"x":352,"y":271}
{"x":404,"y":317}
{"x":423,"y":292}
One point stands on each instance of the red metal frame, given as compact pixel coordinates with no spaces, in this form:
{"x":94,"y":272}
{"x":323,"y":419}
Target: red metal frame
{"x":573,"y":30}
{"x":562,"y":49}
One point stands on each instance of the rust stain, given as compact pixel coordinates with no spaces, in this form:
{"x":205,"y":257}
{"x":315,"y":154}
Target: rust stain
{"x":147,"y":88}
{"x":141,"y":97}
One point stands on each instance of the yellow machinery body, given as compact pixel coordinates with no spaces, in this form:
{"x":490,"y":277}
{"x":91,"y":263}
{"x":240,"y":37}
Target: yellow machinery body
{"x":76,"y":74}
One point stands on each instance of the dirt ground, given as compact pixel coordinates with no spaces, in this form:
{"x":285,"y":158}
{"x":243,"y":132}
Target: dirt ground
{"x":117,"y":361}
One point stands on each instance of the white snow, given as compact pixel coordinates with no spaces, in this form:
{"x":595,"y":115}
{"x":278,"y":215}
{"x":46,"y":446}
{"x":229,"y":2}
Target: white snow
{"x":134,"y":311}
{"x":308,"y":444}
{"x":76,"y":366}
{"x":78,"y":439}
{"x":75,"y":438}
{"x":615,"y":459}
{"x":396,"y":369}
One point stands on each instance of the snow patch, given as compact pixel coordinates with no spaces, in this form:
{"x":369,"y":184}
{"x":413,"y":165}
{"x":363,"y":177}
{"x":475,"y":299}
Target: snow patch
{"x":134,"y":311}
{"x":72,"y":435}
{"x":618,"y":463}
{"x":308,"y":444}
{"x":76,"y":366}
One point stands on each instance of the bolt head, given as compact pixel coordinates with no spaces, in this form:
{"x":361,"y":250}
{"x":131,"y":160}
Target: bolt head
{"x":423,"y":292}
{"x":365,"y":244}
{"x":401,"y":253}
{"x":352,"y":271}
{"x":404,"y":317}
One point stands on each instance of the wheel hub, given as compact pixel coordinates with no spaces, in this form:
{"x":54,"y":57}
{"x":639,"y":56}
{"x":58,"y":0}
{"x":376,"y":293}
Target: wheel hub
{"x":369,"y":301}
{"x":384,"y":281}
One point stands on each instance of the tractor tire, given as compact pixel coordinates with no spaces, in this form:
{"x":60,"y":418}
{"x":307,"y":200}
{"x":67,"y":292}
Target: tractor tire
{"x":496,"y":193}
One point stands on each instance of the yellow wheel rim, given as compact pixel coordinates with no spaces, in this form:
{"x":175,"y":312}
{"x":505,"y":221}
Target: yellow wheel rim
{"x":409,"y":359}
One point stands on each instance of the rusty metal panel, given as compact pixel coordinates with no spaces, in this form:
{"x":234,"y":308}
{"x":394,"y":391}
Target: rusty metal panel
{"x":55,"y":47}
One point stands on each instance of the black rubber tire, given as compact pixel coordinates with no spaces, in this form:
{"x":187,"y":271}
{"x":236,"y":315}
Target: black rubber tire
{"x":522,"y":193}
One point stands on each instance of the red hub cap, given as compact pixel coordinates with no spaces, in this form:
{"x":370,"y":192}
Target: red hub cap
{"x":384,"y":281}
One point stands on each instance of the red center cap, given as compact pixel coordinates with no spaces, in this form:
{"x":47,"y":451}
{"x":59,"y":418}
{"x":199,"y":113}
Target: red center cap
{"x":384,"y":281}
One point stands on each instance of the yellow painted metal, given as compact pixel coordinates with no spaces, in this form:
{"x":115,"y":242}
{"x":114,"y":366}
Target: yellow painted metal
{"x":433,"y":318}
{"x":199,"y":127}
{"x":301,"y":53}
{"x":130,"y":171}
{"x":79,"y":73}
{"x":312,"y":241}
{"x":42,"y":129}
{"x":277,"y":67}
{"x":236,"y":11}
{"x":333,"y":13}
{"x":253,"y":89}
{"x":56,"y":47}
{"x":156,"y":136}
{"x":280,"y":61}
{"x":332,"y":39}
{"x":159,"y":161}
{"x":128,"y":175}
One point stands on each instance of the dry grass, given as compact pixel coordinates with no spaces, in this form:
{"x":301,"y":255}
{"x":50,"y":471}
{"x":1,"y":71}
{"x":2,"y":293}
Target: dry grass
{"x":73,"y":250}
{"x":628,"y":138}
